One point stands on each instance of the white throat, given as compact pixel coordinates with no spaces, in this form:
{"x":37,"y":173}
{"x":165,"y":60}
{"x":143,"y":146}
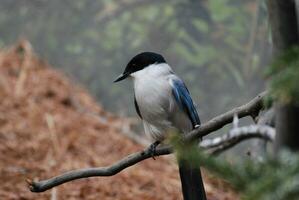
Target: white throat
{"x":152,"y":71}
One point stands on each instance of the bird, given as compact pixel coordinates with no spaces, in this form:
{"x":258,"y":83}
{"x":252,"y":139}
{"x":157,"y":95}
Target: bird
{"x":164,"y":104}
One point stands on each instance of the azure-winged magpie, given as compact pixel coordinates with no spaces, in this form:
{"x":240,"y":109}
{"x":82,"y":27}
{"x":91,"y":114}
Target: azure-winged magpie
{"x":163,"y":102}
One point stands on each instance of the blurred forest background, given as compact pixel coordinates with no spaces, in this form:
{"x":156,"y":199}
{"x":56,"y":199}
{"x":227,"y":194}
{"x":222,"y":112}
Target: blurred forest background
{"x":220,"y":48}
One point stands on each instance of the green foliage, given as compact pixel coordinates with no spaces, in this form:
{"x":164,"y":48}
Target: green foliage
{"x":284,"y":77}
{"x":272,"y":179}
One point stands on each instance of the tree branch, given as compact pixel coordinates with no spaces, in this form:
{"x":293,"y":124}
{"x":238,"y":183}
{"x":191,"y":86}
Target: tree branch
{"x":113,"y":169}
{"x":237,"y":135}
{"x":252,"y":108}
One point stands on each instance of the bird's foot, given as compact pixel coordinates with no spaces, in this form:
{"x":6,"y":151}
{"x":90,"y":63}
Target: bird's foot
{"x":152,"y":149}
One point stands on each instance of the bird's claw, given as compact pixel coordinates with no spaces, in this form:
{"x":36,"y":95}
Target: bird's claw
{"x":152,"y":149}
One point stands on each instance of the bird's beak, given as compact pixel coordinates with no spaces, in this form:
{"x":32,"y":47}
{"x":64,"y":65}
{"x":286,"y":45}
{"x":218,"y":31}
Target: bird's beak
{"x":121,"y":77}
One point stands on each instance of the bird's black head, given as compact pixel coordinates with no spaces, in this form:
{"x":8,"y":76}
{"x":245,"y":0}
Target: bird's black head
{"x":140,"y":62}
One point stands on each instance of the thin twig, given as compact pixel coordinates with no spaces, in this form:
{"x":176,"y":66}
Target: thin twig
{"x":252,"y":108}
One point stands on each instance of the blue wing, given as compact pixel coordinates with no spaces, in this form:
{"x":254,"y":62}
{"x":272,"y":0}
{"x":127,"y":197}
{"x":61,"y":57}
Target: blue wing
{"x":183,"y":99}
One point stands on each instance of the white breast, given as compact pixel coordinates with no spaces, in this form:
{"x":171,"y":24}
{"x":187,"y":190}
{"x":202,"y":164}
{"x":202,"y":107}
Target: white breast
{"x":157,"y":106}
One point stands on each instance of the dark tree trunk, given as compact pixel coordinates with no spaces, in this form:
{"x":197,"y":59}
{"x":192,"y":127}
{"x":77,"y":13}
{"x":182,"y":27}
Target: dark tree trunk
{"x":284,"y":27}
{"x":287,"y":126}
{"x":283,"y":22}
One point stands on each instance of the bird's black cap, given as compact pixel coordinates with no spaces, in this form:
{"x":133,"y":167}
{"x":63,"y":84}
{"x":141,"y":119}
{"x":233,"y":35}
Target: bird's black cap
{"x":139,"y":62}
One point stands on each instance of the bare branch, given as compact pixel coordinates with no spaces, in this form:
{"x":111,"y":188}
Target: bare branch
{"x":251,"y":108}
{"x":100,"y":171}
{"x":237,"y":135}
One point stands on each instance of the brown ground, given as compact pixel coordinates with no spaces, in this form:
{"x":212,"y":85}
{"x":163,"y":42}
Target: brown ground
{"x":49,"y":126}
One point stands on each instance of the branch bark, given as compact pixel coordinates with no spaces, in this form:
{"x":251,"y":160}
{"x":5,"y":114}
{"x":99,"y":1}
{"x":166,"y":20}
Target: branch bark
{"x":252,"y":108}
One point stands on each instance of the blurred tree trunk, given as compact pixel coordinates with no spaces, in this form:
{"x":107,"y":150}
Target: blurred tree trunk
{"x":284,"y":25}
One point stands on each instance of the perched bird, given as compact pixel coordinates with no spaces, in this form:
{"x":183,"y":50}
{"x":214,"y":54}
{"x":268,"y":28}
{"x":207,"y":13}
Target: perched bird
{"x":163,"y":102}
